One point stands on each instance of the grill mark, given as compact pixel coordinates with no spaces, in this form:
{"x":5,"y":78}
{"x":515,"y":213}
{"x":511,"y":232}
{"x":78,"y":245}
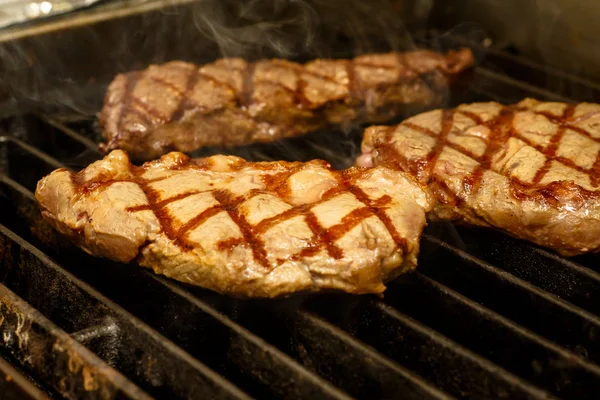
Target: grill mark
{"x":423,"y":168}
{"x":434,"y":155}
{"x":168,"y":84}
{"x":471,"y":115}
{"x":501,"y":128}
{"x":322,"y":237}
{"x":269,"y":222}
{"x":162,"y":214}
{"x":167,"y":201}
{"x":583,"y":132}
{"x":297,"y":94}
{"x":562,"y":160}
{"x":404,"y":66}
{"x":144,"y":119}
{"x":550,"y":151}
{"x":389,"y":156}
{"x":183,"y":101}
{"x":401,"y":242}
{"x":372,"y":65}
{"x":158,"y":179}
{"x":131,"y":80}
{"x":154,"y":204}
{"x":325,"y":237}
{"x":414,"y":74}
{"x":195,"y":222}
{"x":437,"y":183}
{"x":595,"y":172}
{"x":352,"y":81}
{"x":434,"y":135}
{"x":301,"y":69}
{"x":85,"y":188}
{"x":229,"y":244}
{"x":375,"y":208}
{"x":245,"y":97}
{"x":562,"y":123}
{"x":92,"y":186}
{"x":148,"y":110}
{"x":280,"y":182}
{"x":231,"y":204}
{"x":216,"y":81}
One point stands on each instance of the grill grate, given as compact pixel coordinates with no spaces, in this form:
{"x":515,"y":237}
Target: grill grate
{"x":485,"y":316}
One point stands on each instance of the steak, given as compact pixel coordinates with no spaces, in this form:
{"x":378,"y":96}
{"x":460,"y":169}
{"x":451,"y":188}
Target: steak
{"x":531,"y":169}
{"x":182,"y":106}
{"x":248,"y":229}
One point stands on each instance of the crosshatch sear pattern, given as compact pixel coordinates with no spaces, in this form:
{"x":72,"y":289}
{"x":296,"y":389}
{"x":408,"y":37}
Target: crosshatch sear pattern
{"x":532,"y":168}
{"x":182,"y":106}
{"x":250,"y":229}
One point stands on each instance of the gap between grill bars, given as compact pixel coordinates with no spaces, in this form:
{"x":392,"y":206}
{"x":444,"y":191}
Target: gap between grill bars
{"x":485,"y":316}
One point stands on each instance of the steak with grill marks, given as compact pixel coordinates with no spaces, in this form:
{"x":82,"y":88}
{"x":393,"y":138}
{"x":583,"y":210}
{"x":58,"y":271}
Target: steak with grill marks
{"x":531,"y":169}
{"x":248,"y":229}
{"x":181,"y":106}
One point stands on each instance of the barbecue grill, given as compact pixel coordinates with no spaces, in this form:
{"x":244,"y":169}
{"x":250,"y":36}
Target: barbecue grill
{"x":484,"y":316}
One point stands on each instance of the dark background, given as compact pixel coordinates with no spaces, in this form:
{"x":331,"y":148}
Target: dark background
{"x":64,"y":63}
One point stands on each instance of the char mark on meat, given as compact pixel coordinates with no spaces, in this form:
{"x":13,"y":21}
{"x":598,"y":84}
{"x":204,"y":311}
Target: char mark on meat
{"x":249,"y":229}
{"x":531,"y":169}
{"x":181,"y":106}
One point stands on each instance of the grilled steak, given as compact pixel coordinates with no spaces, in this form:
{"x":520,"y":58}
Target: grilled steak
{"x":531,"y":169}
{"x":180,"y":106}
{"x":248,"y":229}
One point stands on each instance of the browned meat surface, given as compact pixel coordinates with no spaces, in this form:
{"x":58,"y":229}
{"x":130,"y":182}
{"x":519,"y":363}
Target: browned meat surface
{"x":531,"y":169}
{"x":249,"y":229}
{"x":181,"y":106}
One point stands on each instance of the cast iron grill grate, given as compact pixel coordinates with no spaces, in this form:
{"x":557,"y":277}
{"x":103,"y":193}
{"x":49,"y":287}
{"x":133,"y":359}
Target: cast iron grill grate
{"x":485,"y":316}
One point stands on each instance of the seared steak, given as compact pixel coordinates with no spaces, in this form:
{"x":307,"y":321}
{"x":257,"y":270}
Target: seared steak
{"x":248,"y":229}
{"x":531,"y":169}
{"x":181,"y":106}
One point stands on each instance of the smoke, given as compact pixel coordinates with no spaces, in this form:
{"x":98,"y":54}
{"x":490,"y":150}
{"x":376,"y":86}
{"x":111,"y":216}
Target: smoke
{"x":275,"y":26}
{"x":63,"y":64}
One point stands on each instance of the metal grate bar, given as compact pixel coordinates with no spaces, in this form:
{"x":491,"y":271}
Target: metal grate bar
{"x":532,"y":264}
{"x":15,"y":386}
{"x":343,"y":359}
{"x":284,"y":376}
{"x":502,"y":87}
{"x":497,"y":338}
{"x":452,"y":367}
{"x":538,"y":75}
{"x":54,"y":136}
{"x":48,"y":350}
{"x":323,"y":348}
{"x":524,"y":303}
{"x":553,"y":80}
